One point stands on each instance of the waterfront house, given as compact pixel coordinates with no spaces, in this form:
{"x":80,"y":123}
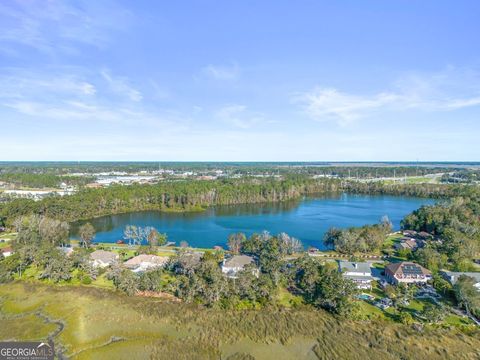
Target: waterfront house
{"x":67,"y":250}
{"x":232,"y":266}
{"x":102,"y":258}
{"x":407,"y":273}
{"x":425,"y":235}
{"x":7,"y":251}
{"x":452,"y":277}
{"x":359,"y":272}
{"x":145,"y":262}
{"x":406,"y":244}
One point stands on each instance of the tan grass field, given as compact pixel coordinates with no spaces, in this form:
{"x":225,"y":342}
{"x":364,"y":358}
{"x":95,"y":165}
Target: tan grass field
{"x":90,"y":323}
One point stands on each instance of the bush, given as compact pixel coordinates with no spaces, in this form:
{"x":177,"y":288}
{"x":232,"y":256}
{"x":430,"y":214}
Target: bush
{"x":86,"y":280}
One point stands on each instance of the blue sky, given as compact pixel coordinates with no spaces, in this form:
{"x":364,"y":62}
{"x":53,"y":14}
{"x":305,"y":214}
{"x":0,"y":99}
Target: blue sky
{"x":240,"y":80}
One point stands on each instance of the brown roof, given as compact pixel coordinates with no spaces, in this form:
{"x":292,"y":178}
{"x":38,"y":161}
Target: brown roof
{"x":105,"y":256}
{"x":406,"y":268}
{"x":7,"y":249}
{"x":239,"y":261}
{"x":153,"y":259}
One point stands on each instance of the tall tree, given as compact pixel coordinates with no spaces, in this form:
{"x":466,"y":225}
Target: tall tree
{"x":235,"y":242}
{"x":154,"y":238}
{"x":468,"y":295}
{"x":87,"y":234}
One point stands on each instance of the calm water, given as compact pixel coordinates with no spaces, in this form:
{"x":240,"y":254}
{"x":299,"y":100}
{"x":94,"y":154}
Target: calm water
{"x":307,"y":219}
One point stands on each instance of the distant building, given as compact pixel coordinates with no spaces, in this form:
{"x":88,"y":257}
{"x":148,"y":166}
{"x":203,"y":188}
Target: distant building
{"x":452,"y":277}
{"x":359,"y":272}
{"x":7,"y":251}
{"x":67,"y":250}
{"x":94,"y":185}
{"x":146,"y":262}
{"x":232,"y":266}
{"x":102,"y":258}
{"x":406,"y":243}
{"x":424,"y":235}
{"x":407,"y":273}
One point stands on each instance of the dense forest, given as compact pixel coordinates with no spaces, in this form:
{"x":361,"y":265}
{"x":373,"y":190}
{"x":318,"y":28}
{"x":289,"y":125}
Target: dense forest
{"x":194,"y":195}
{"x":41,"y":181}
{"x":167,"y":196}
{"x":456,"y":227}
{"x":416,"y":190}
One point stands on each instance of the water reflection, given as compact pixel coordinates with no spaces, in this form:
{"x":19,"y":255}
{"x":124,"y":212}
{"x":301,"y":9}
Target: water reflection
{"x":306,"y":219}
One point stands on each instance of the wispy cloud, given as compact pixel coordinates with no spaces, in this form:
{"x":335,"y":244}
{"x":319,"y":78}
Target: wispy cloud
{"x":238,"y":116}
{"x":51,"y":26}
{"x":121,"y":86}
{"x":449,"y":90}
{"x":18,"y":83}
{"x":222,"y":72}
{"x":72,"y":95}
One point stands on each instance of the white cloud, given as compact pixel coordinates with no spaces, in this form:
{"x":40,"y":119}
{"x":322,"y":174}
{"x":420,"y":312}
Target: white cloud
{"x":52,"y":26}
{"x":326,"y":103}
{"x":18,"y":83}
{"x":238,"y":116}
{"x":76,"y":95}
{"x":448,"y":90}
{"x":120,"y":86}
{"x":222,"y":72}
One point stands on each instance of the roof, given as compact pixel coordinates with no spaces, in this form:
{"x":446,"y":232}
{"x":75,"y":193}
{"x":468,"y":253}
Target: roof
{"x":455,"y":275}
{"x":6,"y":249}
{"x":359,"y":278}
{"x":238,"y":261}
{"x":102,"y":255}
{"x":424,"y":234}
{"x":360,"y":267}
{"x":407,"y":244}
{"x":406,"y":268}
{"x":145,"y":258}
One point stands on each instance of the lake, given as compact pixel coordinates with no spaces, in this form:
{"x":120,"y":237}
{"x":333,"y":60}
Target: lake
{"x":307,"y":219}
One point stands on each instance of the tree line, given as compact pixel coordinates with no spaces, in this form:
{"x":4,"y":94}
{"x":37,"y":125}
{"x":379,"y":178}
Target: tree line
{"x":166,"y":196}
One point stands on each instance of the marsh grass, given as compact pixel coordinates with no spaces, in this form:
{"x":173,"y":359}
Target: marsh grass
{"x":102,"y":324}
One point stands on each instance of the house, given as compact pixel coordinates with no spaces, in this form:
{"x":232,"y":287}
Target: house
{"x":424,"y":235}
{"x":407,"y":273}
{"x":359,"y":272}
{"x":7,"y":251}
{"x":67,"y":250}
{"x":452,"y":277}
{"x":384,"y":303}
{"x":410,"y":233}
{"x":102,"y":258}
{"x":406,"y":244}
{"x":146,"y":262}
{"x":232,"y":266}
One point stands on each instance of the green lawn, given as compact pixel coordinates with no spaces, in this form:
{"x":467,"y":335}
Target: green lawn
{"x":391,"y":240}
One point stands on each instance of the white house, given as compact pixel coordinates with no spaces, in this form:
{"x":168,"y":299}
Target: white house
{"x":7,"y":251}
{"x":407,"y":273}
{"x":102,"y":258}
{"x":359,"y":272}
{"x":452,"y":277}
{"x":146,"y":262}
{"x":232,"y":266}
